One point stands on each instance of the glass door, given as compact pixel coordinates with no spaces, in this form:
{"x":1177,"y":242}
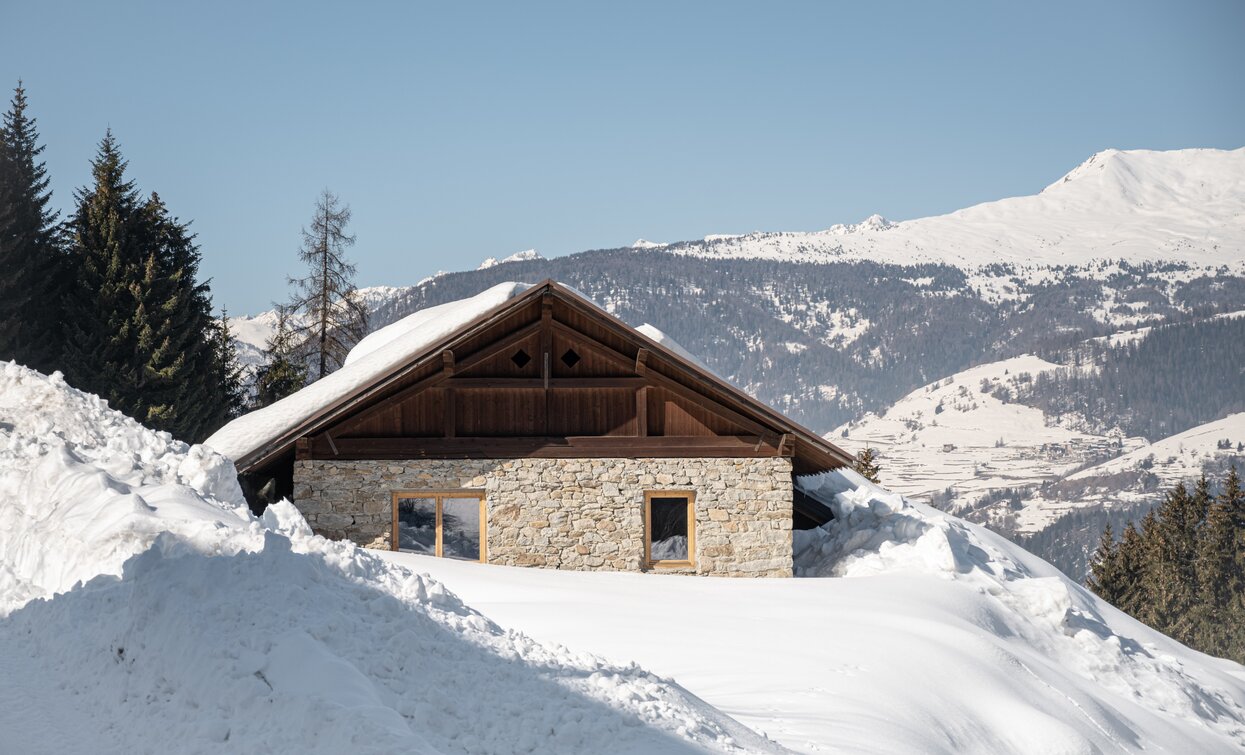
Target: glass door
{"x":461,"y":528}
{"x":447,"y":524}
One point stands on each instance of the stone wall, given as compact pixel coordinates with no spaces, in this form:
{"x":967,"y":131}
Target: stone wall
{"x":571,"y":513}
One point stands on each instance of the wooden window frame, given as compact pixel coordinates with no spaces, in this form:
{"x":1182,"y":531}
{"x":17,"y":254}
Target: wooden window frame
{"x":439,"y":496}
{"x":690,"y":497}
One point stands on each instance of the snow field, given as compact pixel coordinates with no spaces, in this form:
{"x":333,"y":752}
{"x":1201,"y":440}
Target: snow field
{"x":935,"y":636}
{"x":143,"y":609}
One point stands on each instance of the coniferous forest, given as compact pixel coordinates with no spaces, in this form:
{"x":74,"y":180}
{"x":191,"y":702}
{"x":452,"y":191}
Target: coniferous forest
{"x":1182,"y":571}
{"x":112,"y":297}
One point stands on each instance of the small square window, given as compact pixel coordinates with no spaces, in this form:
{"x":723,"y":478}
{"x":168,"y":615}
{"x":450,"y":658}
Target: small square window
{"x":521,"y":358}
{"x":570,"y":358}
{"x":670,"y":529}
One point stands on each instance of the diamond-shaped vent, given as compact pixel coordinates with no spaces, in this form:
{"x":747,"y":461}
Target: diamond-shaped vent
{"x":570,"y":358}
{"x":521,"y":358}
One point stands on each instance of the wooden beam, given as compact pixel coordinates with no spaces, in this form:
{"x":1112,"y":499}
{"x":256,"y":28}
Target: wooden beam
{"x":447,"y":362}
{"x":461,"y":366}
{"x":302,"y":449}
{"x":545,"y":383}
{"x":332,"y":445}
{"x":640,"y":357}
{"x":673,"y":385}
{"x":641,"y":411}
{"x":786,"y":445}
{"x":447,"y":412}
{"x":711,"y":405}
{"x":485,"y":352}
{"x":622,"y":446}
{"x":595,"y":346}
{"x":546,"y":350}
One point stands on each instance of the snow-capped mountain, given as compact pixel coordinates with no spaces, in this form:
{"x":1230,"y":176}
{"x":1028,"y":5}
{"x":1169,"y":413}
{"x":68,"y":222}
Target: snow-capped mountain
{"x":874,"y":318}
{"x":527,"y":255}
{"x":1138,"y":206}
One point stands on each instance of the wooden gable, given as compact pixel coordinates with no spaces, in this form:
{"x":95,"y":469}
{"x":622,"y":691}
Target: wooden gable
{"x":550,"y":375}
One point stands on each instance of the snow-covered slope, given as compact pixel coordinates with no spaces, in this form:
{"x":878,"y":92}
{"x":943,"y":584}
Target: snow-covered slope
{"x":1178,"y":457}
{"x":143,"y":609}
{"x":933,"y":636}
{"x":1139,"y":206}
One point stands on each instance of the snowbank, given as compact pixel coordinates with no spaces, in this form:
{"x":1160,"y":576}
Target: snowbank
{"x":876,"y":532}
{"x":142,"y":608}
{"x":376,"y":355}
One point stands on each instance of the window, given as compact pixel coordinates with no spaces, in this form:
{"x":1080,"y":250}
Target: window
{"x":669,"y":528}
{"x":448,"y":524}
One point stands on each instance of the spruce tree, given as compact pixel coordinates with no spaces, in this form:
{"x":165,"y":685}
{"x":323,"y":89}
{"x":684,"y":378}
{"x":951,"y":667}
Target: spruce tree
{"x":1105,"y":578}
{"x":228,"y":373}
{"x":283,"y":371}
{"x":141,"y":332}
{"x":332,"y":317}
{"x":1219,"y":579}
{"x":31,"y":253}
{"x":1183,"y":572}
{"x":108,"y":261}
{"x":866,"y":465}
{"x":1131,"y":570}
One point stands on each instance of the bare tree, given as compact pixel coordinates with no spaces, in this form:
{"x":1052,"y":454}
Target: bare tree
{"x":332,"y":317}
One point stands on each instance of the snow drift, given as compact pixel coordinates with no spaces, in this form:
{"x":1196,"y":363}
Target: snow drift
{"x":147,"y":610}
{"x":143,"y":608}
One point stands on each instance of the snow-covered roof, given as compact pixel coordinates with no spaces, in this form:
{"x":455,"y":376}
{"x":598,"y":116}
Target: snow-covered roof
{"x":258,"y":437}
{"x":375,"y":356}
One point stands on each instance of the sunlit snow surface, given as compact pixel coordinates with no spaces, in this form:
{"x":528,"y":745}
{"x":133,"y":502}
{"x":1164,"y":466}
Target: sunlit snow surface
{"x":201,"y":628}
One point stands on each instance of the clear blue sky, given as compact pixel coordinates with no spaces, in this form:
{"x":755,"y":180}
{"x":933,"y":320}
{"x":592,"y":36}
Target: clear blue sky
{"x":458,"y":131}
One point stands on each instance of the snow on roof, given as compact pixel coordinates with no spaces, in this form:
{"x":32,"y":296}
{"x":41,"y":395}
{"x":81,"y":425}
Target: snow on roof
{"x":374,"y":356}
{"x":655,"y":333}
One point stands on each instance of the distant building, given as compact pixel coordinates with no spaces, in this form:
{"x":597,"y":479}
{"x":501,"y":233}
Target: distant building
{"x":529,"y":427}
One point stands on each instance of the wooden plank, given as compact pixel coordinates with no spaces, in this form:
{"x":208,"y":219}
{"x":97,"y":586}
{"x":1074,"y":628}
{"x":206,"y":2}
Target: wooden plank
{"x":595,"y":346}
{"x":553,"y":447}
{"x":447,"y":410}
{"x":545,"y":383}
{"x":711,"y":405}
{"x":546,"y":349}
{"x":438,"y":377}
{"x":640,"y":358}
{"x":676,"y":387}
{"x":641,"y":411}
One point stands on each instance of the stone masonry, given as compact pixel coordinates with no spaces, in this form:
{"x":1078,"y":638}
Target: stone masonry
{"x":585,"y":514}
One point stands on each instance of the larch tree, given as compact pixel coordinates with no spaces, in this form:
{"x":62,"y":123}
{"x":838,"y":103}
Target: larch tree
{"x":33,"y":280}
{"x":866,"y":465}
{"x":331,"y":316}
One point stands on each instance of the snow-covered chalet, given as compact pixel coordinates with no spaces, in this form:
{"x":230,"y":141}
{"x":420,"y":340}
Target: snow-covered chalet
{"x":527,"y":426}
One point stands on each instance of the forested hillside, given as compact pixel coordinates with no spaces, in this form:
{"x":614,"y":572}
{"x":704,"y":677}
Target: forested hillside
{"x":828,"y":342}
{"x":1173,"y":378}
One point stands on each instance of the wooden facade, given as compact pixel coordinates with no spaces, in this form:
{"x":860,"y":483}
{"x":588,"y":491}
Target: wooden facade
{"x":547,"y":374}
